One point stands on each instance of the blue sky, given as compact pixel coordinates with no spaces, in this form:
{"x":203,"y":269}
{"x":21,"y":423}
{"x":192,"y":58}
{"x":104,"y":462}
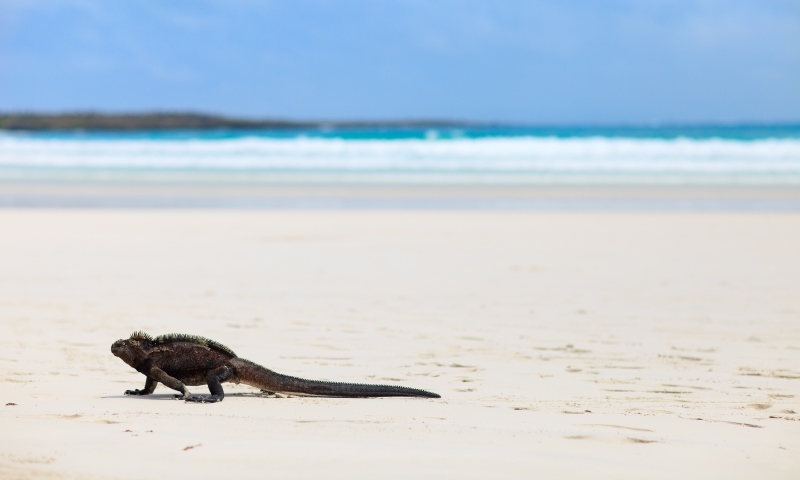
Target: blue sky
{"x":527,"y":61}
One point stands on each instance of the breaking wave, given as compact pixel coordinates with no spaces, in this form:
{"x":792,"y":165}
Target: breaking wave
{"x":500,"y":160}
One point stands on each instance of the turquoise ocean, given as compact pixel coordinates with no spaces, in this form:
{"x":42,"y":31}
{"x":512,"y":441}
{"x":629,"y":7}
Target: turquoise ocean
{"x":758,"y":156}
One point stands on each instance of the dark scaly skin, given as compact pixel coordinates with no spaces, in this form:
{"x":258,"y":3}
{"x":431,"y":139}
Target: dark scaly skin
{"x":177,"y":360}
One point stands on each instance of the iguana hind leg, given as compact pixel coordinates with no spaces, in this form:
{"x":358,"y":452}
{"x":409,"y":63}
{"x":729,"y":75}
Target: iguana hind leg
{"x":149,"y":387}
{"x":214,"y":378}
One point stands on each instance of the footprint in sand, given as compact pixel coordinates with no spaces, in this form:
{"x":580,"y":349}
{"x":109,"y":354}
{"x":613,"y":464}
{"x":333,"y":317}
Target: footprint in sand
{"x":613,"y":426}
{"x":631,"y":440}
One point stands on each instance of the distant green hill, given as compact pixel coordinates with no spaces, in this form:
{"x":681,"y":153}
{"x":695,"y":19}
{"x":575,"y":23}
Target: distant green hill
{"x":181,"y":121}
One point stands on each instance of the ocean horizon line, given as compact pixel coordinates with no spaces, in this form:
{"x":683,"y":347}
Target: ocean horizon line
{"x":161,"y":120}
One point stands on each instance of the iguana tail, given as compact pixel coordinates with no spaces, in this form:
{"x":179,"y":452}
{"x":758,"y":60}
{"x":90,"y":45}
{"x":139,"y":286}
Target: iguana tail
{"x":257,"y":376}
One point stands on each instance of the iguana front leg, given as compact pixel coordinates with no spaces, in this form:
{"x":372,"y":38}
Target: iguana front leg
{"x":149,"y":387}
{"x":159,"y":375}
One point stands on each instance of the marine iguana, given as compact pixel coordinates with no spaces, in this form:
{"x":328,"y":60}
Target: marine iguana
{"x":177,"y":360}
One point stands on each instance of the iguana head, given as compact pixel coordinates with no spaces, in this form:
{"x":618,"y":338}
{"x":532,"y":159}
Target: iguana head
{"x":132,"y":350}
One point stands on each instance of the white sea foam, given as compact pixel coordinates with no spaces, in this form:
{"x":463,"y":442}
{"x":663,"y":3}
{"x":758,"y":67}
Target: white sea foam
{"x":486,"y":160}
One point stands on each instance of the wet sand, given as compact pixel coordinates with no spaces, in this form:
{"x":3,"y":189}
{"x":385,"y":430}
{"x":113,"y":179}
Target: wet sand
{"x":249,"y":194}
{"x":602,"y":345}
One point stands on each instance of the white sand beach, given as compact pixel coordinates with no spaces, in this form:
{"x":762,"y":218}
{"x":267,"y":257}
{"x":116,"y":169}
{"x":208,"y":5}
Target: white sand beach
{"x":564,"y":345}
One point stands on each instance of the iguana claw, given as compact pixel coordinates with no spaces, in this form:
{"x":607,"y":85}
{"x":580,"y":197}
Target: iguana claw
{"x":204,"y":398}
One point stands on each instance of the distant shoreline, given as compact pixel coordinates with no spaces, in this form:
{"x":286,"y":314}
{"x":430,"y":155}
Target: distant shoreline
{"x":166,"y":121}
